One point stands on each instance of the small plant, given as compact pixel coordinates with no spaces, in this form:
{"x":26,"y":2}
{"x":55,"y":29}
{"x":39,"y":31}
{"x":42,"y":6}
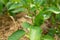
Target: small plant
{"x":40,"y":11}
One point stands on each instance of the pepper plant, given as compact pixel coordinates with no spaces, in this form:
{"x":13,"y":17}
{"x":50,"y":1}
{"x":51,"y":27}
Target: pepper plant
{"x":40,"y":11}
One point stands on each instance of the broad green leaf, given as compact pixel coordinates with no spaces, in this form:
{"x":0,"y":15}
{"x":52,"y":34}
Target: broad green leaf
{"x":54,"y":10}
{"x":18,"y":10}
{"x":15,"y":6}
{"x":26,"y":25}
{"x":39,"y":19}
{"x":35,"y":33}
{"x":16,"y":35}
{"x":4,"y":1}
{"x":9,"y":4}
{"x":48,"y":37}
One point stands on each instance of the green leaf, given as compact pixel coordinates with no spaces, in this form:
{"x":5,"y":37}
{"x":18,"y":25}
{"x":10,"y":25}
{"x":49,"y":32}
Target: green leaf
{"x":16,"y":35}
{"x":26,"y":3}
{"x":14,"y":1}
{"x":12,"y":14}
{"x":38,"y":3}
{"x":4,"y":1}
{"x":47,"y":15}
{"x":26,"y":25}
{"x":35,"y":33}
{"x":47,"y":37}
{"x":9,"y":4}
{"x":39,"y":19}
{"x":54,"y":10}
{"x":18,"y":10}
{"x":32,"y":8}
{"x":15,"y":6}
{"x":1,"y":7}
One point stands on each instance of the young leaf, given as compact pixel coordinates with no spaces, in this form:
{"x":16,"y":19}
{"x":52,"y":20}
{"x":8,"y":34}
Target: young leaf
{"x":16,"y":35}
{"x":35,"y":33}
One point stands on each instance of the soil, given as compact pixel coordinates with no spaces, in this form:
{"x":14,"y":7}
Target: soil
{"x":7,"y":26}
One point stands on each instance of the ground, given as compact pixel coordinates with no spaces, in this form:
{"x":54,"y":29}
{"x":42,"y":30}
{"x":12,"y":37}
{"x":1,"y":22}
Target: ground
{"x":7,"y":26}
